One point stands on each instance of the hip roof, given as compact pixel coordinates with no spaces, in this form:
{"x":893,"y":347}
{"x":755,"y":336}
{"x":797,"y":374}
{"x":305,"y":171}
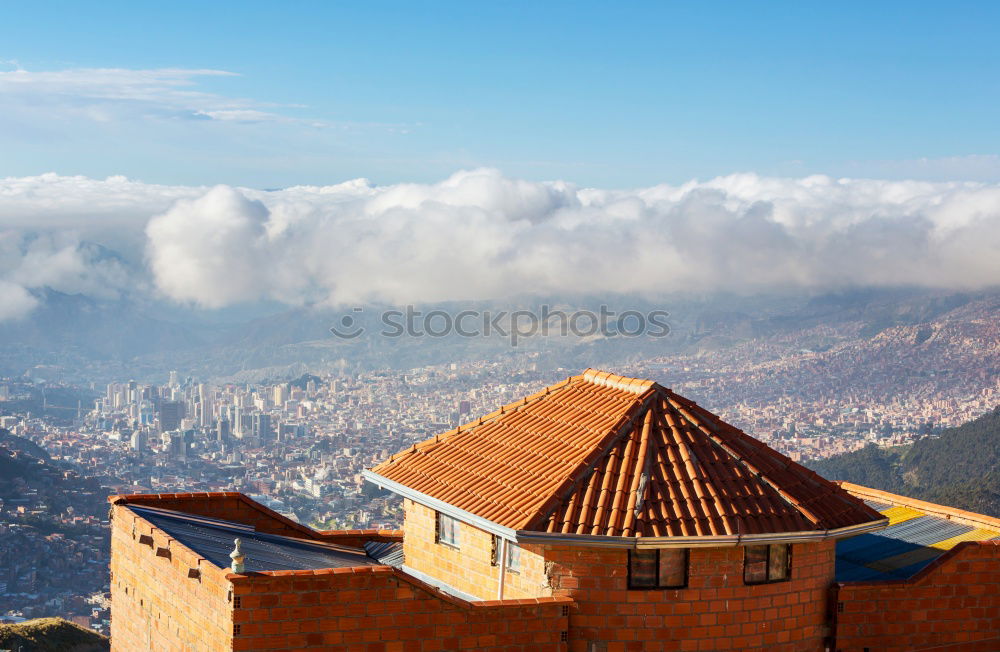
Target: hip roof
{"x":602,"y":454}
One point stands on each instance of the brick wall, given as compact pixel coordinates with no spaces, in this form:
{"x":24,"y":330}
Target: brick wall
{"x":715,"y":612}
{"x":377,"y":609}
{"x":468,"y":568}
{"x":164,"y":597}
{"x":156,"y":603}
{"x":953,"y":605}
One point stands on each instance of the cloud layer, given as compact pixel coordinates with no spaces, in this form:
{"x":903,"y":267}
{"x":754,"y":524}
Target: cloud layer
{"x":479,"y":234}
{"x":111,"y":94}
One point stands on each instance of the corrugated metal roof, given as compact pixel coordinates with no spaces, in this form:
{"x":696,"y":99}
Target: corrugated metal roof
{"x":213,"y":540}
{"x":600,"y":454}
{"x":912,"y":540}
{"x":389,"y":553}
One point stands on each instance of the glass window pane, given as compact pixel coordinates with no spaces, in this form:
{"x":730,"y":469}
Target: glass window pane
{"x":755,"y":564}
{"x":642,"y":568}
{"x":513,"y":556}
{"x":447,"y":530}
{"x":673,"y":567}
{"x":777,"y":567}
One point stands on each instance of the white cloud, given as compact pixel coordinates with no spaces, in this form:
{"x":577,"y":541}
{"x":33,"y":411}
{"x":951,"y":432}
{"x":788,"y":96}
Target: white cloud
{"x":15,"y":302}
{"x":479,"y":234}
{"x":114,"y":94}
{"x":213,"y":250}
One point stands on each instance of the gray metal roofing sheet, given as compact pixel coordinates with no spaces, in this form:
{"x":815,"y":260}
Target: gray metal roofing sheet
{"x":925,"y":530}
{"x":389,"y":553}
{"x":213,"y":539}
{"x":877,"y":506}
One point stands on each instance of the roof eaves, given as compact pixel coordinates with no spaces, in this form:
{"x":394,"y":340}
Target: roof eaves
{"x":716,"y":541}
{"x":438,"y":505}
{"x":942,"y":511}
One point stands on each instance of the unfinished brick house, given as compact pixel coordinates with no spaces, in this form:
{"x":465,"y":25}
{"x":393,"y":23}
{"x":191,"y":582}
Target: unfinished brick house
{"x":601,"y":514}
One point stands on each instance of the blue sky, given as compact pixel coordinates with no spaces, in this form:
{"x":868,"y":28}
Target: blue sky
{"x":610,"y":95}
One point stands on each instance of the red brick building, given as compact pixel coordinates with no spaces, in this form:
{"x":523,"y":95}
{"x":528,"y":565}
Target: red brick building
{"x":602,"y":514}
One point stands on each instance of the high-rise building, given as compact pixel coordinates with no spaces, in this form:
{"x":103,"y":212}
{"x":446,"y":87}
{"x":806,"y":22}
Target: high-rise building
{"x":223,"y":431}
{"x":171,"y":413}
{"x":261,"y":427}
{"x":139,"y":441}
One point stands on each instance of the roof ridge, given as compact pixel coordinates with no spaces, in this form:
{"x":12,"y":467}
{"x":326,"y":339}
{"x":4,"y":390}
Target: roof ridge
{"x":790,"y":465}
{"x":614,"y":381}
{"x":685,"y":411}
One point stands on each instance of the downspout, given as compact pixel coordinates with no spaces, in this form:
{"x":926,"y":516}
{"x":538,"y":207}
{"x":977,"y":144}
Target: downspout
{"x":503,"y":567}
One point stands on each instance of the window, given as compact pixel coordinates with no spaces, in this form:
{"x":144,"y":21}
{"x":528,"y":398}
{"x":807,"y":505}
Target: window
{"x":513,"y":554}
{"x":763,"y":564}
{"x":447,"y":530}
{"x":658,"y":569}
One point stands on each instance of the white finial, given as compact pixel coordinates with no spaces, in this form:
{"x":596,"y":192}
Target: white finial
{"x":237,"y":556}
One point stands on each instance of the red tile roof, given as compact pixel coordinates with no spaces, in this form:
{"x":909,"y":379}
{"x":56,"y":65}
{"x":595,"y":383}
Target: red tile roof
{"x":602,"y":454}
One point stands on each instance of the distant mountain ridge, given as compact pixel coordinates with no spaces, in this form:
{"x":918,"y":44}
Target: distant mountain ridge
{"x":960,"y":468}
{"x":106,"y":340}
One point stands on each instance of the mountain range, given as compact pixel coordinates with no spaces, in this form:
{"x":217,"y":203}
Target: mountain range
{"x":958,"y":466}
{"x":78,"y":338}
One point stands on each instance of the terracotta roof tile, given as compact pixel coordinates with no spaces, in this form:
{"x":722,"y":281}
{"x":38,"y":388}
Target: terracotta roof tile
{"x":602,"y":454}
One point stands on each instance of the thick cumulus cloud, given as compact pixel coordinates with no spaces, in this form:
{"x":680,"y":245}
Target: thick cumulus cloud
{"x":75,"y":235}
{"x":481,"y":235}
{"x":213,"y":250}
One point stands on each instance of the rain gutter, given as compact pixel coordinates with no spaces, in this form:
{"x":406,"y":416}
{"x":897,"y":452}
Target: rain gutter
{"x":599,"y":541}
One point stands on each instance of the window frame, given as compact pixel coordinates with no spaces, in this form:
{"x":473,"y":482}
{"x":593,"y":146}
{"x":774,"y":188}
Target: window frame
{"x":513,"y":558}
{"x":455,"y":540}
{"x":656,"y":586}
{"x":767,"y":565}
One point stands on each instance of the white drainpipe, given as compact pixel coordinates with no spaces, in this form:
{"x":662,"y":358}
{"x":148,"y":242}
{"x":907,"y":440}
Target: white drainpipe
{"x":503,"y":567}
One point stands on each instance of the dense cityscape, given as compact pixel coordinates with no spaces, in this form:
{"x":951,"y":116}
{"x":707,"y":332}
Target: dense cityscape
{"x":299,"y":445}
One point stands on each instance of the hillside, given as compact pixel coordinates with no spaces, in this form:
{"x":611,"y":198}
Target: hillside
{"x":960,"y":468}
{"x":51,"y":635}
{"x":53,"y":536}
